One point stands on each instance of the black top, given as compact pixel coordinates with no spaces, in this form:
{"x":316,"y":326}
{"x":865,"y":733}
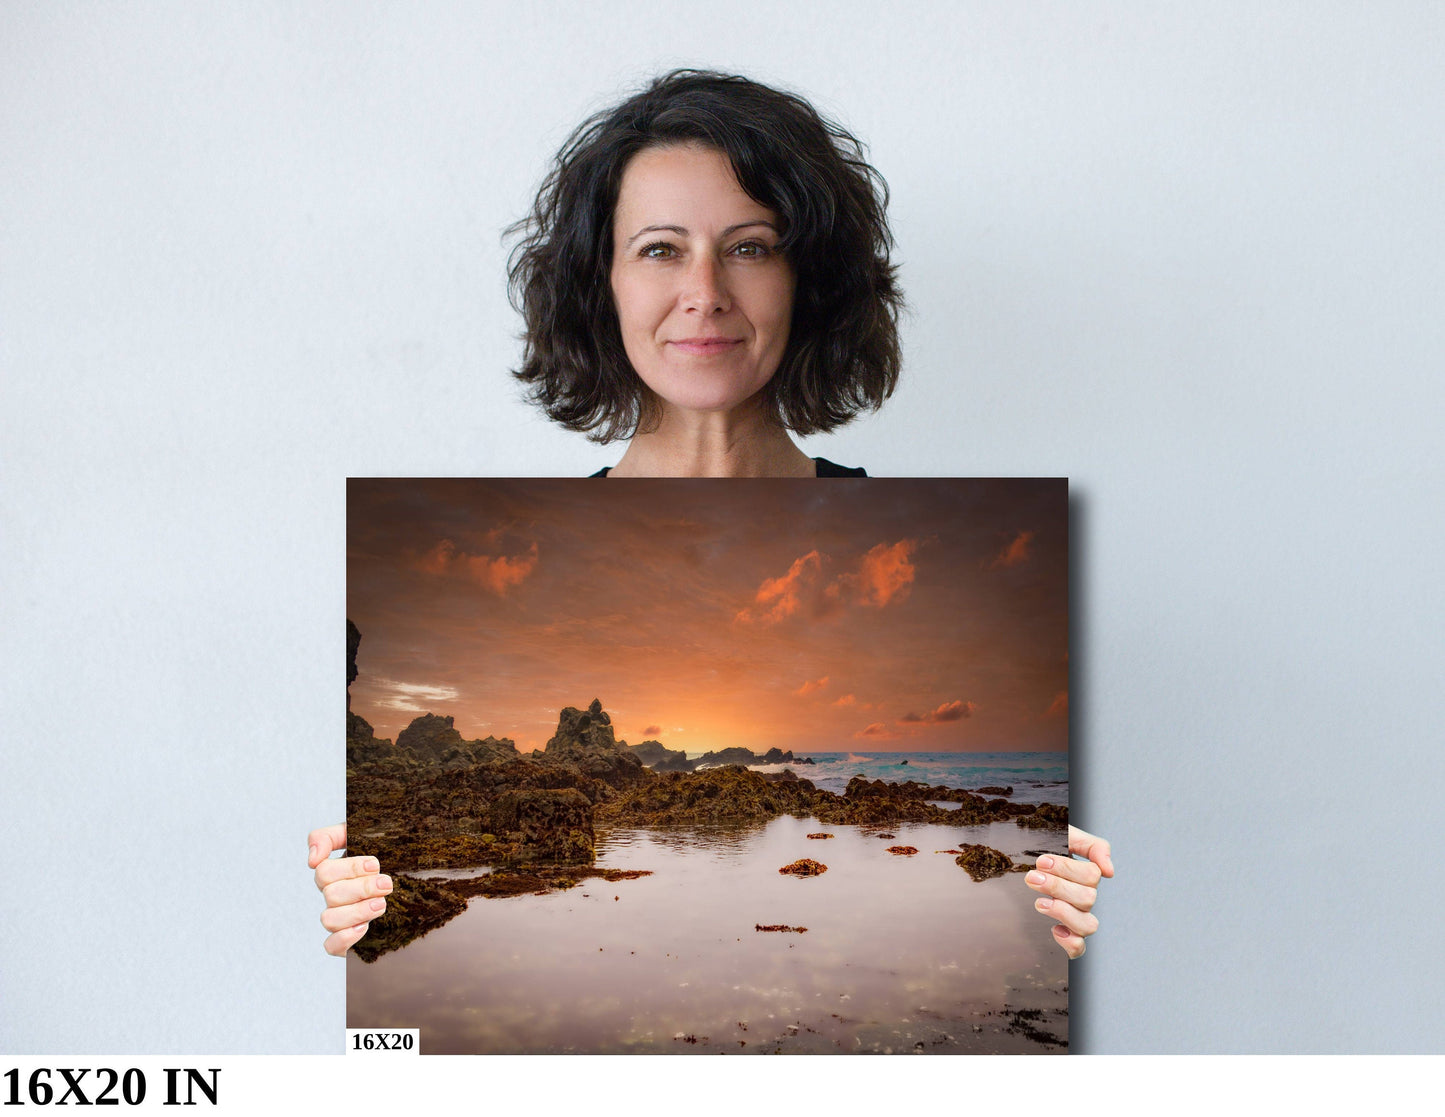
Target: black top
{"x":825,"y":469}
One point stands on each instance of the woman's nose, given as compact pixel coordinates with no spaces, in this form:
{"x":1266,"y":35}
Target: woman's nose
{"x":705,"y":287}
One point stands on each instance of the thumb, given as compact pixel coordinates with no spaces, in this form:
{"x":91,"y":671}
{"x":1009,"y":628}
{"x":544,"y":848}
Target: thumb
{"x":1095,"y":848}
{"x":323,"y":842}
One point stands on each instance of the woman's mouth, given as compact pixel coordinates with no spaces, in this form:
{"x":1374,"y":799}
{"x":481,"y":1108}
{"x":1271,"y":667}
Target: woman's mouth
{"x":705,"y":346}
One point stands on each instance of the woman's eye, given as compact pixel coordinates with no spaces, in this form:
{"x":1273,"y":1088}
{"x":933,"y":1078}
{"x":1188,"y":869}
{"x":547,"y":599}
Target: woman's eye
{"x":657,"y":251}
{"x":751,"y":249}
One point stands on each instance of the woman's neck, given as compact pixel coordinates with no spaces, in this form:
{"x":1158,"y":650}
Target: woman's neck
{"x":742,"y":443}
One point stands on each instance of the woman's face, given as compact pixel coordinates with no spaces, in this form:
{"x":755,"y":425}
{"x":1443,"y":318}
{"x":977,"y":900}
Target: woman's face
{"x":703,"y":296}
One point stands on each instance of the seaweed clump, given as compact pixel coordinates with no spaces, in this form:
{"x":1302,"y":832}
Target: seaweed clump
{"x":982,"y":863}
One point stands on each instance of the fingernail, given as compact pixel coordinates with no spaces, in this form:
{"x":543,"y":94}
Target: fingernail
{"x":312,"y":857}
{"x":1043,"y":903}
{"x":378,"y":904}
{"x":1046,"y":862}
{"x":1036,"y":878}
{"x":1061,"y":931}
{"x":383,"y":882}
{"x":371,"y":865}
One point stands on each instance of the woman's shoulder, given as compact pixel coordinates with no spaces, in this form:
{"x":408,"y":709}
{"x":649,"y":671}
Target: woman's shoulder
{"x":825,"y":469}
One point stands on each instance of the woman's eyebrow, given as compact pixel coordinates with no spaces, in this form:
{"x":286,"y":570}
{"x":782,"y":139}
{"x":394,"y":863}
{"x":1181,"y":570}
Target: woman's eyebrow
{"x":680,"y":231}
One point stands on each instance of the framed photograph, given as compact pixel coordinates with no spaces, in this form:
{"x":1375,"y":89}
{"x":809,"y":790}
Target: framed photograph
{"x":740,"y":766}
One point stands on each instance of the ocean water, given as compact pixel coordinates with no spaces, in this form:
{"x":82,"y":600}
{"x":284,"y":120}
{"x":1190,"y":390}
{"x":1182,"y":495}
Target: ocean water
{"x":1036,"y":777}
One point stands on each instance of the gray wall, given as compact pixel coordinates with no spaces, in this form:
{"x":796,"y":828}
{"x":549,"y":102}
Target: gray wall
{"x":1187,"y":256}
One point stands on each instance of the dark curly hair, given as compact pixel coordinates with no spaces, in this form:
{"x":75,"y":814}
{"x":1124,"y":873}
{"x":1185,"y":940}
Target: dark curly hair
{"x":842,"y":354}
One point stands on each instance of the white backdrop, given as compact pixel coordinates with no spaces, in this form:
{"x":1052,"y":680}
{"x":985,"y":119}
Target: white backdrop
{"x":1187,"y":257}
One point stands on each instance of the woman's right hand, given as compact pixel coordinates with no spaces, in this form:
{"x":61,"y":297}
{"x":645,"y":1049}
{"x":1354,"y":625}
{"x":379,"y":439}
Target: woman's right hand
{"x":354,"y":887}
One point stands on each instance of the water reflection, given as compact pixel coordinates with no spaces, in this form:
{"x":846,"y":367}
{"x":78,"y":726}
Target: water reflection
{"x":901,"y":953}
{"x":721,"y":840}
{"x":452,"y":874}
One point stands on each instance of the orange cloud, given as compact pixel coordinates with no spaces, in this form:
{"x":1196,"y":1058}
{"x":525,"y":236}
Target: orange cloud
{"x":1059,"y":707}
{"x":846,"y":700}
{"x":811,"y":686}
{"x":877,"y":731}
{"x":949,"y":711}
{"x":779,"y":598}
{"x":886,"y":573}
{"x":501,"y":573}
{"x":1016,"y":552}
{"x":495,"y":573}
{"x":652,"y":731}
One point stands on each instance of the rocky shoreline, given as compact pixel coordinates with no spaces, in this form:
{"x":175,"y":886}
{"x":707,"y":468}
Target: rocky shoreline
{"x":433,"y":800}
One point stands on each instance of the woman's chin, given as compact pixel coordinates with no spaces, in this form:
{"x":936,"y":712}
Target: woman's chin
{"x":702,"y":400}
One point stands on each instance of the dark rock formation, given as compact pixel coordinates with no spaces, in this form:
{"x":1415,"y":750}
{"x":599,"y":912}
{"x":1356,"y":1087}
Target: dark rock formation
{"x":733,"y":794}
{"x":819,"y":837}
{"x":429,"y":743}
{"x":1046,"y":814}
{"x":659,"y":758}
{"x":433,"y":819}
{"x":545,"y":824}
{"x":747,"y":758}
{"x":362,"y":744}
{"x":711,"y":796}
{"x":804,"y":867}
{"x":779,"y":927}
{"x":981,"y":862}
{"x":431,"y":739}
{"x":877,"y":802}
{"x":908,"y":789}
{"x":903,"y":851}
{"x":776,"y":756}
{"x":585,"y":738}
{"x":995,"y":791}
{"x":734,"y":755}
{"x":353,"y":641}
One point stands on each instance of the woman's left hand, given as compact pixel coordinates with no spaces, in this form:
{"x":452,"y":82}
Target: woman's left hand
{"x":1070,"y":887}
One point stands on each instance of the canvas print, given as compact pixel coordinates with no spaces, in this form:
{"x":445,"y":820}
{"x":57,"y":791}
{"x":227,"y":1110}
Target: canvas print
{"x":722,"y":766}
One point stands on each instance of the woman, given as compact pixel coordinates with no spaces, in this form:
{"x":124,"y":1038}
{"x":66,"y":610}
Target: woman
{"x":705,"y":271}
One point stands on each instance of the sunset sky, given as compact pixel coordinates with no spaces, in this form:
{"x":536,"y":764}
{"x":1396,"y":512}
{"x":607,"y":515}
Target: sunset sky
{"x":841,"y":615}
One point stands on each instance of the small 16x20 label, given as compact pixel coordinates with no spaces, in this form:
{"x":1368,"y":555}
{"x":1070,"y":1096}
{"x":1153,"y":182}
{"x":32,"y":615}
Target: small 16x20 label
{"x":383,"y":1041}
